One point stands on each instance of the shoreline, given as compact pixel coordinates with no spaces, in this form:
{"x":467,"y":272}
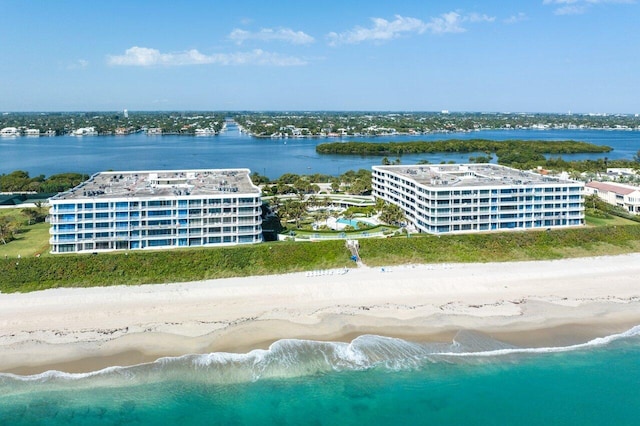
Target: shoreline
{"x":528,"y":304}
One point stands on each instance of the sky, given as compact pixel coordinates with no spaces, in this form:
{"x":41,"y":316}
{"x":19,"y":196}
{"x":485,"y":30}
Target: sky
{"x":350,"y":55}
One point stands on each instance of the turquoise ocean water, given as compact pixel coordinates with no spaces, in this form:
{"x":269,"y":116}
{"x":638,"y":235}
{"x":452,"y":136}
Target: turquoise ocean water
{"x":372,"y":380}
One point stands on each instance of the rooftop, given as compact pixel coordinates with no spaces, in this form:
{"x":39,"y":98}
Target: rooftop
{"x":163,"y":183}
{"x":457,"y":175}
{"x":613,"y":187}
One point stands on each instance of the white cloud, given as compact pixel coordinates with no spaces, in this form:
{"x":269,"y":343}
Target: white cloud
{"x":383,"y":30}
{"x":514,"y":19}
{"x":446,"y":23}
{"x":144,"y":57}
{"x":147,"y":57}
{"x":576,"y":7}
{"x":476,"y":17}
{"x":268,"y":34}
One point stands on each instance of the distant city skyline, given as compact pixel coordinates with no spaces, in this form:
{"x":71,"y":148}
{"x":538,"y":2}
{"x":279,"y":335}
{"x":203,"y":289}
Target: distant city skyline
{"x":547,"y":56}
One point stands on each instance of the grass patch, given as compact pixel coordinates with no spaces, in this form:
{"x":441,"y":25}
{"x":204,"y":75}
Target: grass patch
{"x":610,"y":220}
{"x":500,"y":247}
{"x":30,"y":239}
{"x":28,"y":274}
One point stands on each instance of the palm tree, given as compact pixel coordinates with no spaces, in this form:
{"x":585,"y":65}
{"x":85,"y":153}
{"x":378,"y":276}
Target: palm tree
{"x":322,"y":215}
{"x":392,"y":214}
{"x":8,"y":228}
{"x":274,"y":203}
{"x":293,"y":210}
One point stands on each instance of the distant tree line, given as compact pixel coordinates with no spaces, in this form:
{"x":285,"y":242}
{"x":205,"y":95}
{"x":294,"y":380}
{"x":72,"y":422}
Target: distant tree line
{"x":520,"y":154}
{"x":460,"y":146}
{"x":351,"y":182}
{"x":20,"y":181}
{"x":317,"y":123}
{"x":265,"y":124}
{"x":106,"y":123}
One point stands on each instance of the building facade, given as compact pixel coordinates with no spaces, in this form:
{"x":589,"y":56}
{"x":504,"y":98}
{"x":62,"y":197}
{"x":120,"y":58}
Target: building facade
{"x":156,"y":209}
{"x":625,"y":196}
{"x":478,"y":197}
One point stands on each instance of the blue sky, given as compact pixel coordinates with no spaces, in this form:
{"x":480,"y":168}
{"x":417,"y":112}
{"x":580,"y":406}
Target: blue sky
{"x":409,"y":55}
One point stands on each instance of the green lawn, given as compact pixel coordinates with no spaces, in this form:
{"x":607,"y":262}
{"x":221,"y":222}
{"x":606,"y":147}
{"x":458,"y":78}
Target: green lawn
{"x":30,"y":240}
{"x":610,"y":221}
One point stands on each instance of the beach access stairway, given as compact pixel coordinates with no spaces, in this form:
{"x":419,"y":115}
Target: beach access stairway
{"x":354,"y":246}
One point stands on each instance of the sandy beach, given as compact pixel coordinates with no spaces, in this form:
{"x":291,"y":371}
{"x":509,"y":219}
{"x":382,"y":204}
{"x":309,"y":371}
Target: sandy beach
{"x":543,"y":303}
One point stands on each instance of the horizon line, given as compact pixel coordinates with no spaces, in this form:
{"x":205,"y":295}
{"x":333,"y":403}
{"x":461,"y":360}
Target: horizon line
{"x":307,"y":111}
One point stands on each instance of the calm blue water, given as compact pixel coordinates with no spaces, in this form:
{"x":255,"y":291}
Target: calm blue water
{"x":373,"y":380}
{"x":351,"y":222}
{"x":270,"y":157}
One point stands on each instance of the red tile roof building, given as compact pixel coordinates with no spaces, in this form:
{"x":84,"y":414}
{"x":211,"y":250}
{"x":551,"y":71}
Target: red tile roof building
{"x":625,"y":196}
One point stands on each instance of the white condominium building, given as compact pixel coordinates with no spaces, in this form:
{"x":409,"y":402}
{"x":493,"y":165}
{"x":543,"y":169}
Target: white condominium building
{"x":478,"y":197}
{"x":157,"y":209}
{"x":625,"y":196}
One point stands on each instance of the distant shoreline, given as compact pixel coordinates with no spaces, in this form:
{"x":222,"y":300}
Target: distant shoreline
{"x":346,"y":136}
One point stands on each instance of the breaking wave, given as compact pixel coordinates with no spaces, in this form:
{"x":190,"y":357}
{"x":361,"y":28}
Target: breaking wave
{"x":291,"y":358}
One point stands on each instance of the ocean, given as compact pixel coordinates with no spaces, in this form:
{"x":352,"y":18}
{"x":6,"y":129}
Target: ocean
{"x":372,"y":380}
{"x":269,"y":157}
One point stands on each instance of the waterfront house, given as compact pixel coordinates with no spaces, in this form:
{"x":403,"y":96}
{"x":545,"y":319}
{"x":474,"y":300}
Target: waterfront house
{"x":85,"y":131}
{"x":9,"y":132}
{"x":618,"y":194}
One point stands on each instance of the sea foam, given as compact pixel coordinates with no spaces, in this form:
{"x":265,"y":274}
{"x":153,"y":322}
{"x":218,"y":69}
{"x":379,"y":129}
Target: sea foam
{"x":291,"y":358}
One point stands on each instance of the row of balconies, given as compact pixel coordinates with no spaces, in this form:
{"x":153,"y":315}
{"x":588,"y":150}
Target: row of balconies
{"x":483,"y":227}
{"x":56,"y":220}
{"x":53,"y":210}
{"x":564,"y":196}
{"x":495,"y":200}
{"x":80,"y":238}
{"x":146,"y":227}
{"x":450,"y":220}
{"x":498,"y":210}
{"x":516,"y":203}
{"x":538,"y":192}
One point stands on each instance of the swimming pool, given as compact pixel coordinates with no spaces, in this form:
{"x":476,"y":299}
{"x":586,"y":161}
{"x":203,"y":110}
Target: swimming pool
{"x":353,"y":223}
